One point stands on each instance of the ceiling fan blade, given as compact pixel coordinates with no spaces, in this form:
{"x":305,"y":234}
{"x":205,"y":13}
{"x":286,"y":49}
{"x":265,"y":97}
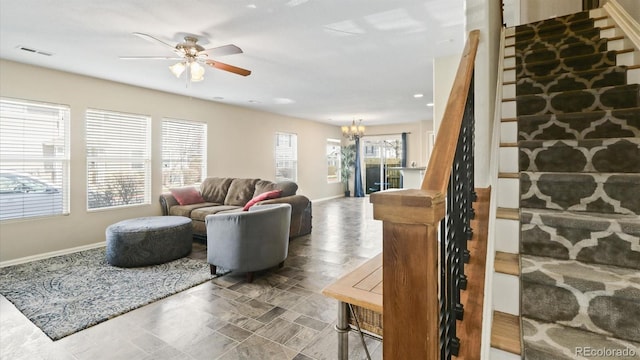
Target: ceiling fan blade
{"x":150,"y":58}
{"x":223,"y":50}
{"x":155,"y":40}
{"x":229,"y":68}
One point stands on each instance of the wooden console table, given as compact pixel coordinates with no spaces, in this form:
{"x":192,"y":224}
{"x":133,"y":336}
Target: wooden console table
{"x":361,"y":287}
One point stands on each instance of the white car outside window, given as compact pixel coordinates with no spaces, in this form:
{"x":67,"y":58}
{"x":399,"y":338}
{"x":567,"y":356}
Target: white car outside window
{"x":23,"y":196}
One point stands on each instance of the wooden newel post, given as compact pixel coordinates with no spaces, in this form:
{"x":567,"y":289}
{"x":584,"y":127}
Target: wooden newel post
{"x":410,"y":271}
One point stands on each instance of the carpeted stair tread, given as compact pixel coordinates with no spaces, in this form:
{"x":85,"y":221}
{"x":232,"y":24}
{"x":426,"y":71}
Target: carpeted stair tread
{"x":592,"y":78}
{"x":543,"y":51}
{"x":598,"y":298}
{"x":570,"y":64}
{"x":605,"y":98}
{"x":554,"y":30}
{"x":553,"y":21}
{"x":619,"y":155}
{"x":581,"y":125}
{"x":591,"y":221}
{"x":589,"y":37}
{"x":551,"y":37}
{"x":584,"y":36}
{"x":612,"y":193}
{"x":550,"y":341}
{"x":589,"y":237}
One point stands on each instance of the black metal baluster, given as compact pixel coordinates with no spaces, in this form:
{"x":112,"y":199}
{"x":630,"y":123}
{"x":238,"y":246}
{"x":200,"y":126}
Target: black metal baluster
{"x":445,"y":353}
{"x":452,"y":270}
{"x":455,"y":231}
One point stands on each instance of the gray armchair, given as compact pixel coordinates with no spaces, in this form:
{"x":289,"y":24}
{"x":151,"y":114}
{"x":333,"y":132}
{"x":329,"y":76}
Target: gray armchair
{"x":249,"y":241}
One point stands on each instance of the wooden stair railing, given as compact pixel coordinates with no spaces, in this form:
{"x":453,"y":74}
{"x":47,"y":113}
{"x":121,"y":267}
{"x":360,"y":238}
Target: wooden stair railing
{"x":419,"y":315}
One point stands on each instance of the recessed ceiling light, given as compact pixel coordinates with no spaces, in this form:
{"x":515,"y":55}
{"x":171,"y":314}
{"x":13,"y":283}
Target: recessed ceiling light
{"x":252,"y":6}
{"x":218,"y":98}
{"x":283,"y":101}
{"x":296,"y":2}
{"x":254,"y":101}
{"x":430,"y":104}
{"x":417,"y":96}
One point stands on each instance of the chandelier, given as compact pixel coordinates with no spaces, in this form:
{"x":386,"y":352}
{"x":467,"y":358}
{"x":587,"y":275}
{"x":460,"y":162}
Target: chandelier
{"x":354,"y":131}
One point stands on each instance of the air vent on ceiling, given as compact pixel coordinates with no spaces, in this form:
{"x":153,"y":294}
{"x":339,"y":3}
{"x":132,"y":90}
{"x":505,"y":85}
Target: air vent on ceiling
{"x":35,"y":51}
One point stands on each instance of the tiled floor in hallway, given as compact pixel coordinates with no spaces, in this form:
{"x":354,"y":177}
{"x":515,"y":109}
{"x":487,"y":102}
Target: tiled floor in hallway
{"x":280,"y":316}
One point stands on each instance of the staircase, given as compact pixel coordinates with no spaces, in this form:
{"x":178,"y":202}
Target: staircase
{"x":574,"y":97}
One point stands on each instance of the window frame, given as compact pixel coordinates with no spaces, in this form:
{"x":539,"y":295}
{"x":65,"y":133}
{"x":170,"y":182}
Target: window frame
{"x":280,"y":156}
{"x":105,"y":123}
{"x":190,"y":126}
{"x":336,"y":147}
{"x":26,"y":152}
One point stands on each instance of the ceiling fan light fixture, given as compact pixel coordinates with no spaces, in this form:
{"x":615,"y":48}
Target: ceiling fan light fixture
{"x":197,"y":72}
{"x":177,"y":69}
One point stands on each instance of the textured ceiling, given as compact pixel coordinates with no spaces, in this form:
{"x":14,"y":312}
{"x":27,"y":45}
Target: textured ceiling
{"x":323,"y":60}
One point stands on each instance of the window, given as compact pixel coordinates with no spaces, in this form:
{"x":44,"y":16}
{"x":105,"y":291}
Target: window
{"x":184,"y":151}
{"x":286,"y":157}
{"x":34,"y":159}
{"x":333,"y":160}
{"x":118,"y":159}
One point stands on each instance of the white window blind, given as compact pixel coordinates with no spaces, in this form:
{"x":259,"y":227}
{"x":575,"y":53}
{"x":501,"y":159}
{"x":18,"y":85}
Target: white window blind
{"x":34,"y":159}
{"x":184,"y":153}
{"x":118,"y":159}
{"x":286,"y":157}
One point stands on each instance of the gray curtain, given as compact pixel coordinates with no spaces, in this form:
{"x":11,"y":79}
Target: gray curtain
{"x":403,"y":161}
{"x":358,"y":191}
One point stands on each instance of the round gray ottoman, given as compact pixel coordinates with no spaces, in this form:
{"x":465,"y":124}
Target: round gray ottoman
{"x":148,"y":240}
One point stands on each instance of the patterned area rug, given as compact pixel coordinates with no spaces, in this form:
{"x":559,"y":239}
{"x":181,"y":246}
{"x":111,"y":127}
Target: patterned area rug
{"x":66,"y":294}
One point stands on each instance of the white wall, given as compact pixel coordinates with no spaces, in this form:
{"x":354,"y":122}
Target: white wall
{"x":534,"y":10}
{"x":632,"y":7}
{"x":484,"y":15}
{"x":240,"y":144}
{"x":511,"y":12}
{"x":444,"y":72}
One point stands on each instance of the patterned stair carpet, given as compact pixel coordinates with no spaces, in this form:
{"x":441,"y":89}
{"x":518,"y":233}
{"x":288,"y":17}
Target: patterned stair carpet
{"x":579,"y":162}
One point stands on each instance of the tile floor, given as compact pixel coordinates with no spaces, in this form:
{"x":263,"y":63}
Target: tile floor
{"x":280,"y":316}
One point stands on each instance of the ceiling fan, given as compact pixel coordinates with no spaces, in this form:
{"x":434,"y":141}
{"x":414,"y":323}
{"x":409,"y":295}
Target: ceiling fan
{"x":191,"y":56}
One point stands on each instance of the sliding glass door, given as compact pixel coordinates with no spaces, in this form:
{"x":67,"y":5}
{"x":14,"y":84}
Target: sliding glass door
{"x":382,"y":156}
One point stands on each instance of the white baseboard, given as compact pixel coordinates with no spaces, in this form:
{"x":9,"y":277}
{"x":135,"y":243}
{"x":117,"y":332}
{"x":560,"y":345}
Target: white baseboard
{"x":51,"y":254}
{"x":328,"y":198}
